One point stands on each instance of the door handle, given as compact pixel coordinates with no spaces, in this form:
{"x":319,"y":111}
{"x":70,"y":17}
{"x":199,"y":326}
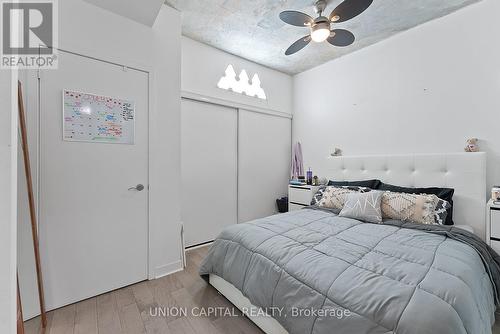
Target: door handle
{"x":138,"y":187}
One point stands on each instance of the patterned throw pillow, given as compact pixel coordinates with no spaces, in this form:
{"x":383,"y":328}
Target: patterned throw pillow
{"x":363,"y":206}
{"x":409,"y":207}
{"x":441,"y":211}
{"x":334,"y":197}
{"x":318,"y":195}
{"x":446,"y":194}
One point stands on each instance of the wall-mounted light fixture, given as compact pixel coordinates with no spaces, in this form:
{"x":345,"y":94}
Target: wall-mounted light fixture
{"x":242,"y":84}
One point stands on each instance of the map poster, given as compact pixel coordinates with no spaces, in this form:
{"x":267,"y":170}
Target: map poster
{"x":97,"y":118}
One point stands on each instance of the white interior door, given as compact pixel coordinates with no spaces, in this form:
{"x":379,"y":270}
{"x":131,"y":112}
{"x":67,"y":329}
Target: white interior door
{"x":93,"y":230}
{"x":264,"y":155}
{"x":209,"y":170}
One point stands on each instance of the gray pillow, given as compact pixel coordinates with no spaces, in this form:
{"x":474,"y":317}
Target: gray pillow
{"x":363,"y":206}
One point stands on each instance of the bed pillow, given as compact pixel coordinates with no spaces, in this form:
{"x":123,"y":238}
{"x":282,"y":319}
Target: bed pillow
{"x":445,"y":194}
{"x":334,"y":197}
{"x":318,"y":195}
{"x":373,"y":184}
{"x":413,"y":208}
{"x":363,"y":206}
{"x":441,"y":211}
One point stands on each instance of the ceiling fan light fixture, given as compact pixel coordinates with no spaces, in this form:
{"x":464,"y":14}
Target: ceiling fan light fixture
{"x":320,"y":28}
{"x":335,"y":18}
{"x":320,"y":32}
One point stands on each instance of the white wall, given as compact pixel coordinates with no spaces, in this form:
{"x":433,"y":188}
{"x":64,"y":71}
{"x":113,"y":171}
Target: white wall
{"x":425,"y":90}
{"x":203,"y":66}
{"x":117,"y":39}
{"x":8,"y":147}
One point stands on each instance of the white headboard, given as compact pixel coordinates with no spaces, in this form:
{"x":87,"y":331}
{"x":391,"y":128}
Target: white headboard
{"x":465,"y":172}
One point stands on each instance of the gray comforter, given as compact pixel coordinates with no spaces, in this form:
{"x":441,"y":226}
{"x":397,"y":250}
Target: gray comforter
{"x":316,"y":272}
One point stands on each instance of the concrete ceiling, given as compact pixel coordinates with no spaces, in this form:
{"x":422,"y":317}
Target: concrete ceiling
{"x":253,"y":30}
{"x":143,"y":11}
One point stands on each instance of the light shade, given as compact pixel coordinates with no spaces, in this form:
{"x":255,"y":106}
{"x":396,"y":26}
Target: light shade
{"x":242,"y":84}
{"x":320,"y":32}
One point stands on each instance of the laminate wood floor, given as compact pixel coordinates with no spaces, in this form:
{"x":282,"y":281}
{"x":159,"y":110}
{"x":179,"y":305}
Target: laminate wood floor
{"x":127,"y":310}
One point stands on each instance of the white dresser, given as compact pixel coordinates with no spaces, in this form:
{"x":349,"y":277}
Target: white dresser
{"x":300,"y":196}
{"x":493,"y":225}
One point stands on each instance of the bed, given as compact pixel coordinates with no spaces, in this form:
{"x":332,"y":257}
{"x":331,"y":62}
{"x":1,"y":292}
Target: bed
{"x":311,"y":271}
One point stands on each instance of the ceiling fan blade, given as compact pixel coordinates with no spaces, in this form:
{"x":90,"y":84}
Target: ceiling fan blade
{"x":349,"y":9}
{"x":296,"y":18}
{"x":298,"y":45}
{"x":341,"y":37}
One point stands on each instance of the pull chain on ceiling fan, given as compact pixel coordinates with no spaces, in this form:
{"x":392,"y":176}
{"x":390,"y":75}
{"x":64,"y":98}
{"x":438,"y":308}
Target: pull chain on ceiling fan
{"x":321,"y":27}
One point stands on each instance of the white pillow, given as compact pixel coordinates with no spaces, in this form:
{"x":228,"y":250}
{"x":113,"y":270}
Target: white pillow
{"x":363,"y":206}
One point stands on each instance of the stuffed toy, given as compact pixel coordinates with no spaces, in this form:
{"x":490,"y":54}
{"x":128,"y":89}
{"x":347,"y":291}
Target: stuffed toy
{"x":472,"y":145}
{"x":337,"y":152}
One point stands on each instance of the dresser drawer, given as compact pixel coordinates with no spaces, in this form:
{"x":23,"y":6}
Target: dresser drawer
{"x":495,"y":245}
{"x":495,"y":223}
{"x":300,"y":195}
{"x":294,"y":207}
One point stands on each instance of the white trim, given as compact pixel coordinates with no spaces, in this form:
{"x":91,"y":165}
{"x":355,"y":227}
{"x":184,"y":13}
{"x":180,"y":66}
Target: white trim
{"x":151,"y":118}
{"x":226,"y":103}
{"x":183,"y":247}
{"x":103,"y":56}
{"x":167,"y":269}
{"x":267,"y":323}
{"x":13,"y":191}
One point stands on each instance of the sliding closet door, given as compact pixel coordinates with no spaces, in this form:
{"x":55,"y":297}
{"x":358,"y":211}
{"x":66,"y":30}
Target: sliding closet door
{"x":209,"y":170}
{"x":264,"y":157}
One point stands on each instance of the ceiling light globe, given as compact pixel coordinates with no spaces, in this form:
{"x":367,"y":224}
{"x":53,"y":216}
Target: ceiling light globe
{"x":320,"y":32}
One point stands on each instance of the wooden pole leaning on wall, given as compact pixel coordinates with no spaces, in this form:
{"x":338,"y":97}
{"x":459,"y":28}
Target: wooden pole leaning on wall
{"x":31,"y":199}
{"x":20,"y":323}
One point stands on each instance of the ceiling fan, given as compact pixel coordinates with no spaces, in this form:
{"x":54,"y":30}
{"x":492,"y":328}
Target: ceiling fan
{"x":321,"y":26}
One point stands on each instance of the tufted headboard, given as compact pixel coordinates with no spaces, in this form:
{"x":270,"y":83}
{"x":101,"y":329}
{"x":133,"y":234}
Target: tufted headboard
{"x":465,"y":172}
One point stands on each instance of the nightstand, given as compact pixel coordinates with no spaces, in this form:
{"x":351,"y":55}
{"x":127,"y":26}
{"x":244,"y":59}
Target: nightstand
{"x":493,"y":225}
{"x":300,"y":196}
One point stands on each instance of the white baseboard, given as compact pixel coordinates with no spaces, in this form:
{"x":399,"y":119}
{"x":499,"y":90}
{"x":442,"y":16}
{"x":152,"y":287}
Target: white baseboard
{"x":168,"y":269}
